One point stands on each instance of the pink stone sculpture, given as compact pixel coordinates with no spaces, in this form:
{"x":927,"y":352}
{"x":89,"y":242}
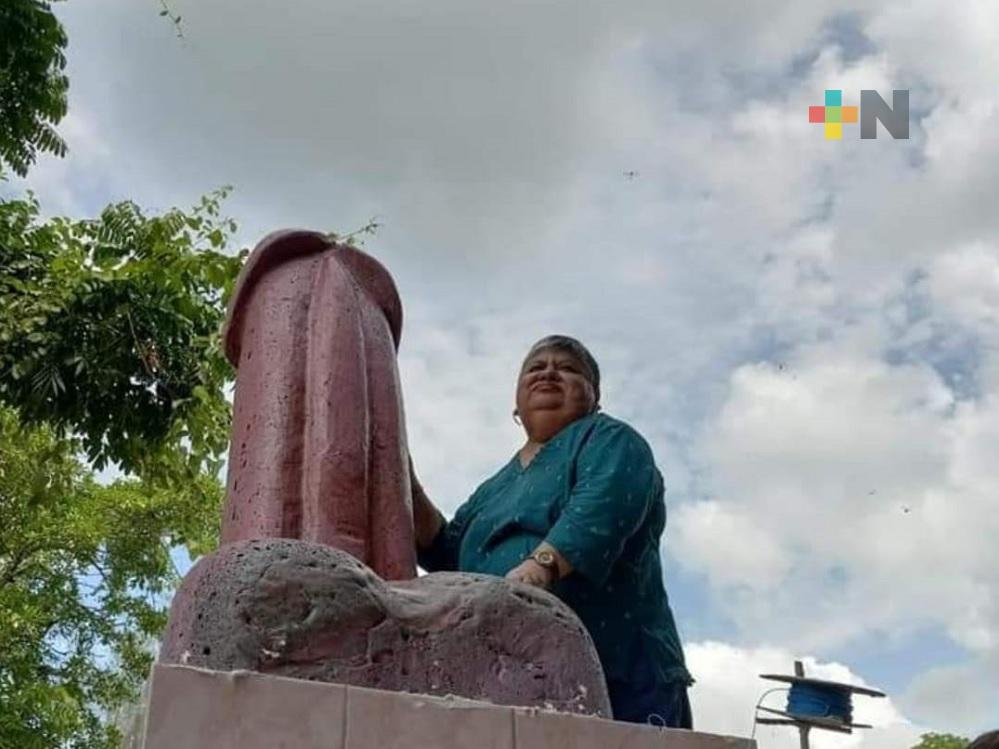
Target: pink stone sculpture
{"x":315,"y":577}
{"x":318,"y":447}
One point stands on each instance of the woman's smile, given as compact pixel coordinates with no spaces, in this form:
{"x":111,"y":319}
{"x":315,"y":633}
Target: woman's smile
{"x":546,"y":386}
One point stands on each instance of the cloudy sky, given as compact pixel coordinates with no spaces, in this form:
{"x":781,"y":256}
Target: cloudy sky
{"x":807,"y":331}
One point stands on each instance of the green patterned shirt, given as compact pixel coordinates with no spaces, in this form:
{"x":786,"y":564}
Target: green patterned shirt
{"x":594,"y":493}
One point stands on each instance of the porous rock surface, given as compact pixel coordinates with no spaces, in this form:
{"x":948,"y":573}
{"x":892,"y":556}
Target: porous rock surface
{"x":306,"y":610}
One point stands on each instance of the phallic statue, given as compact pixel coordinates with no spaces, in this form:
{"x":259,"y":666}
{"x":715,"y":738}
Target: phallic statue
{"x":318,"y":437}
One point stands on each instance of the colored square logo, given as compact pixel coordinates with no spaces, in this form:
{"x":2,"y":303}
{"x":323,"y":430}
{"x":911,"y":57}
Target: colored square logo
{"x":833,"y":114}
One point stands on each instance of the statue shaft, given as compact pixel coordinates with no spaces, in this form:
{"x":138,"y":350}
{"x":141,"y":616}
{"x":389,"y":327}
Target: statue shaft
{"x":319,"y":447}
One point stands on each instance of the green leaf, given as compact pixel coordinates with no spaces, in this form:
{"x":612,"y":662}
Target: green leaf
{"x":130,"y":338}
{"x":32,"y":85}
{"x":85,"y":577}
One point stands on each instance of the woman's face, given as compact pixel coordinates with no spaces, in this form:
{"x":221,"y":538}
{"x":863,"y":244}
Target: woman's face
{"x":554,"y":388}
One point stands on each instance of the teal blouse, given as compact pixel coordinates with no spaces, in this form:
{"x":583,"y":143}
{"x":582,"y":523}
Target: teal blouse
{"x":594,"y":493}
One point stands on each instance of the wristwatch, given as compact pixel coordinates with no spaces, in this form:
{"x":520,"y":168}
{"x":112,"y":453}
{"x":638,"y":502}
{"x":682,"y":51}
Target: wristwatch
{"x":547,"y":560}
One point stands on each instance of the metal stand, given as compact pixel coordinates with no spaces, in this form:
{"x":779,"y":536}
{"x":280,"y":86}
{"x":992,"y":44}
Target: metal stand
{"x":805,"y":724}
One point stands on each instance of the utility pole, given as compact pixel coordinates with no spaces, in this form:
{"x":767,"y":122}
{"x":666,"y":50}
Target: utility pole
{"x":799,"y":670}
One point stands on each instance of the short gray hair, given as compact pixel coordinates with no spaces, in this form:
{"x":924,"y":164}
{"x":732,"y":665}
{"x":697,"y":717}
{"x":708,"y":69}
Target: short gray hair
{"x":572,"y":346}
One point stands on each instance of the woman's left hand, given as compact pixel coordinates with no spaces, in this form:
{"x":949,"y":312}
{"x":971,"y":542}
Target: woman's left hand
{"x":532,"y":573}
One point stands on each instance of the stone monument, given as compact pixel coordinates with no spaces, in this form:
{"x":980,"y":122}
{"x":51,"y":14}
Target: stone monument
{"x":316,"y":574}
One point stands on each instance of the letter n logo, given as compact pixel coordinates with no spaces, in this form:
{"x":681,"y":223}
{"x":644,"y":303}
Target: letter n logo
{"x":874,"y":109}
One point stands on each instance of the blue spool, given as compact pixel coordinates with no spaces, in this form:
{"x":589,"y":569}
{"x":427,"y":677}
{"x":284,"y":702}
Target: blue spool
{"x":808,"y":700}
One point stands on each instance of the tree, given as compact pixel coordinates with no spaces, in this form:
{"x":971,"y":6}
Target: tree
{"x":109,"y":331}
{"x":109,"y":354}
{"x":33,"y":85}
{"x":84,"y":570}
{"x":109,"y":349}
{"x":941,"y":741}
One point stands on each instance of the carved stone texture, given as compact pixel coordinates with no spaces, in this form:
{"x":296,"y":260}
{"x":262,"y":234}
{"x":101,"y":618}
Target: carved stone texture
{"x":304,"y":610}
{"x":318,"y":446}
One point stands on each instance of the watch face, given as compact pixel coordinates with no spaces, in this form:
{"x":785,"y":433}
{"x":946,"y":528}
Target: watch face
{"x":544,"y":558}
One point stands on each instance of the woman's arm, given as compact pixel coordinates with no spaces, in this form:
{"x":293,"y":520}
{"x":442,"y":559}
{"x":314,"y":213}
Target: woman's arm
{"x":438,"y":541}
{"x":532,"y":572}
{"x":427,"y":519}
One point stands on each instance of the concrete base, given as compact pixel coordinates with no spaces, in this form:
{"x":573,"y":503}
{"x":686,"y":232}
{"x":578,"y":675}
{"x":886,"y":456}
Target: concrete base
{"x":200,"y":709}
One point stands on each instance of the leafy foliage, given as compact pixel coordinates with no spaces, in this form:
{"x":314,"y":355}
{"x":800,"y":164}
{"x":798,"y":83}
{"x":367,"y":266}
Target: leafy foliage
{"x":941,"y":741}
{"x":109,"y":354}
{"x":83,"y":573}
{"x":109,"y":329}
{"x":355,"y":238}
{"x":32,"y":83}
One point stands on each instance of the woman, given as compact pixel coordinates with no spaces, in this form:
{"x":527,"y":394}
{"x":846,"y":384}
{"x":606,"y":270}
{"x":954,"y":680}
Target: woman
{"x":578,"y":510}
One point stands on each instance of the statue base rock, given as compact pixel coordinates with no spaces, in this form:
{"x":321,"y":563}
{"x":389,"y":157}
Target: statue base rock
{"x":299,"y":609}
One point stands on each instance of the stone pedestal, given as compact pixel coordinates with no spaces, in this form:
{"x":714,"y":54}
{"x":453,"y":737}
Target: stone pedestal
{"x":200,"y":709}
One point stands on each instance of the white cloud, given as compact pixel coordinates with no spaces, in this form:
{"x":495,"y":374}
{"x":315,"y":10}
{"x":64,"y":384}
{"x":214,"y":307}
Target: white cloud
{"x":932,"y":694}
{"x":749,"y":558}
{"x":966,"y":282}
{"x":863,"y":498}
